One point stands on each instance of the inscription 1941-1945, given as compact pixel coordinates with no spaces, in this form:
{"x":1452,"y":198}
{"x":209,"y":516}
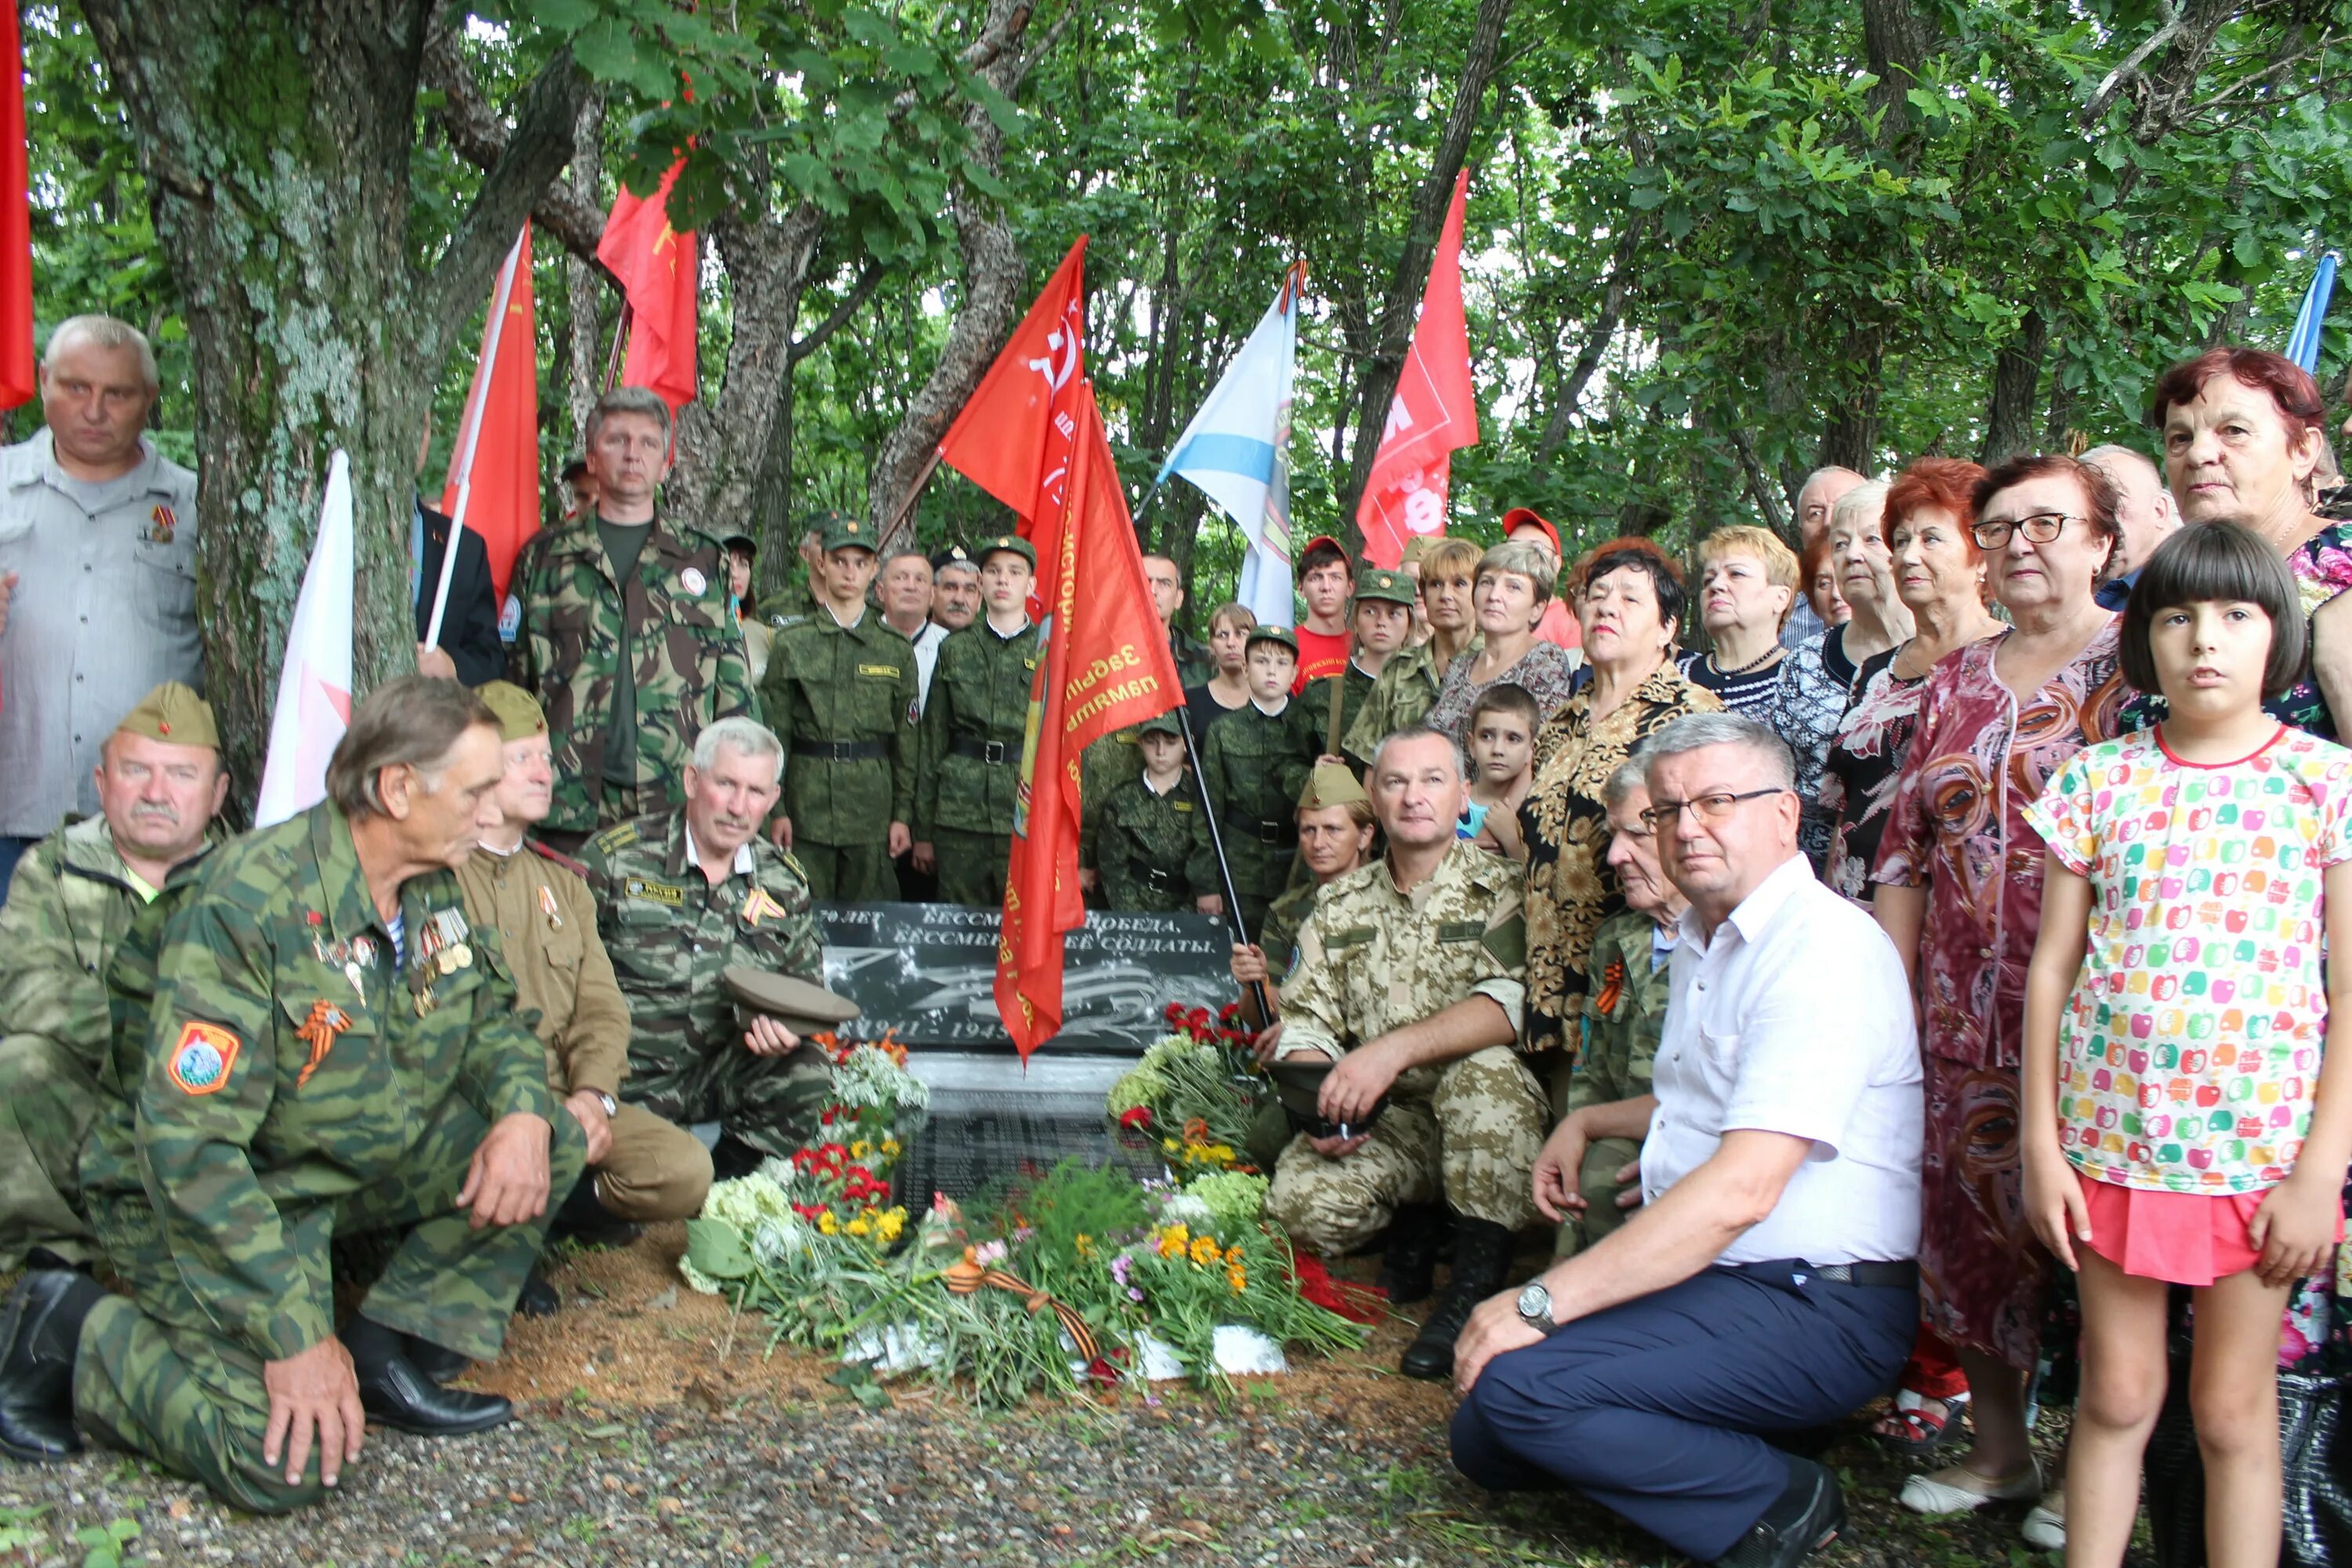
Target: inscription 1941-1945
{"x":928,"y":973}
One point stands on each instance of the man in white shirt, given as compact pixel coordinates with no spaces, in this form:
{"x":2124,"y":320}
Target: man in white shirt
{"x":1767,"y":1284}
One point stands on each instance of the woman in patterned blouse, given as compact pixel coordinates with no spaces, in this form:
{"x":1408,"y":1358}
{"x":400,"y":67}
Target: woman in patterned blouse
{"x":1514,"y":584}
{"x":1816,"y":679}
{"x":1630,"y":609}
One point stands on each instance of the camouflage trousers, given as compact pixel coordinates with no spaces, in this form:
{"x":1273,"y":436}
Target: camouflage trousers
{"x":972,"y":867}
{"x":156,"y":1376}
{"x":1597,"y":1180}
{"x":847,"y":873}
{"x":46,"y":1114}
{"x":772,"y":1103}
{"x":1472,"y":1140}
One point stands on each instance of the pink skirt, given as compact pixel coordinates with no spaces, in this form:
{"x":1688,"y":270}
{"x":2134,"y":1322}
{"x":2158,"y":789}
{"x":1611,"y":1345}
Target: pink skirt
{"x":2182,"y":1238}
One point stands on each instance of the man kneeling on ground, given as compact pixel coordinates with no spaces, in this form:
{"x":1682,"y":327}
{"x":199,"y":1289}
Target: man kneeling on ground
{"x":1766,"y":1285}
{"x":1410,"y":976}
{"x":331,"y":1047}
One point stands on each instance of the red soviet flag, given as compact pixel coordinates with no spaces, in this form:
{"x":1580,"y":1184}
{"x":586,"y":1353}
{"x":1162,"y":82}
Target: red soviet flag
{"x":659,"y":274}
{"x":16,"y":374}
{"x":1434,"y":411}
{"x":493,"y":484}
{"x":1012,"y":438}
{"x":1106,"y":665}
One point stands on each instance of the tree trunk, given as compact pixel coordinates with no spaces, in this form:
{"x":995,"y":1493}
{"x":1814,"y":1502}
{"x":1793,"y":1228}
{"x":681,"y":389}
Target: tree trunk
{"x":2016,"y":392}
{"x":587,"y":345}
{"x":276,"y":141}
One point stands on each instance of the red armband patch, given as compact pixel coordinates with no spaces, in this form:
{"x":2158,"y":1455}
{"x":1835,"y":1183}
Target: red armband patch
{"x":201,"y":1061}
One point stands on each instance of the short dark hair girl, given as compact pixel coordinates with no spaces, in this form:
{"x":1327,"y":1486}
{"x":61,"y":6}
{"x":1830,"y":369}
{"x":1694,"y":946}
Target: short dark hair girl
{"x":2217,"y":563}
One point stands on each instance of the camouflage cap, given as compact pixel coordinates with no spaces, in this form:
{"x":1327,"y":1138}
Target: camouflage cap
{"x":1331,"y":783}
{"x":172,"y":712}
{"x":1169,"y":723}
{"x":1380,"y":582}
{"x":519,"y":713}
{"x":841,"y":533}
{"x":1008,"y":542}
{"x":1282,"y":635}
{"x":800,"y":1005}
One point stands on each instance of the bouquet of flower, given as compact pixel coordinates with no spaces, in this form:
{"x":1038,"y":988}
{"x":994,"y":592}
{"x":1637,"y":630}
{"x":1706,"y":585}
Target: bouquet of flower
{"x":1196,"y":1089}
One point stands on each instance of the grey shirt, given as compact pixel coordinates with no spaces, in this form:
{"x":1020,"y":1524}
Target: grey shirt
{"x":105,"y":610}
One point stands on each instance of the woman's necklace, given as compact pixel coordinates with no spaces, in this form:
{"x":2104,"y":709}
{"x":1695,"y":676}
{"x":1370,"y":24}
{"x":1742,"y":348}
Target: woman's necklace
{"x":1751,"y":668}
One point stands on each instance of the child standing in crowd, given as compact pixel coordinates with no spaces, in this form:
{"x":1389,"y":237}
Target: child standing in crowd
{"x":1382,"y":617}
{"x":1502,"y":729}
{"x":1148,"y":856}
{"x":2202,"y":1120}
{"x":1253,"y":767}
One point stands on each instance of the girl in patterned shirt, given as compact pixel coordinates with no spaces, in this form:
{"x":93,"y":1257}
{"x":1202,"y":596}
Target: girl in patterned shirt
{"x":2197,"y":920}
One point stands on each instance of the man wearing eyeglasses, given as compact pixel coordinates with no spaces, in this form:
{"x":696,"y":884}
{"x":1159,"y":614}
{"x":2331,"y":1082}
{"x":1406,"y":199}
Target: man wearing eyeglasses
{"x":1766,"y":1283}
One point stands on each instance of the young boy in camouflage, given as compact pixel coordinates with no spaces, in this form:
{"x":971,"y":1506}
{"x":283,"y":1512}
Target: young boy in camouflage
{"x":1380,"y":619}
{"x":1252,"y":768}
{"x":1149,"y":858}
{"x":972,"y":731}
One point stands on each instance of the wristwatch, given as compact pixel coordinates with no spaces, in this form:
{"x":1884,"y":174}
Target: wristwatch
{"x":1535,"y":1306}
{"x":612,"y":1106}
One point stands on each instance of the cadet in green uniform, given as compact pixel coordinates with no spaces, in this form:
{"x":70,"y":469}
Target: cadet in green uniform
{"x":626,"y":640}
{"x":160,"y":784}
{"x":840,"y":693}
{"x":682,"y":897}
{"x":1149,"y":858}
{"x":330,"y":1047}
{"x":974,"y":727}
{"x":1409,"y":683}
{"x":1606,"y":1096}
{"x":1410,"y":976}
{"x":1381,"y":616}
{"x":1252,"y":766}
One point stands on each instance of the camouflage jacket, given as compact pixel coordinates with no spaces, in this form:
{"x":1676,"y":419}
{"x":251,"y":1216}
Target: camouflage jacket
{"x":1355,"y":688}
{"x":688,"y":652}
{"x":1253,"y":765}
{"x":1627,"y":1016}
{"x":70,"y":908}
{"x":829,"y":685}
{"x":289,"y":1058}
{"x":1146,"y":849}
{"x":980,"y":699}
{"x":546,"y":921}
{"x":1404,"y":693}
{"x":1277,"y":934}
{"x":671,"y":933}
{"x":1371,"y":958}
{"x":1195,"y":663}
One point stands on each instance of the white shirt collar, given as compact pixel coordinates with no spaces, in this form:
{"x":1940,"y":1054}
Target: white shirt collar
{"x":745,"y":864}
{"x":1273,"y":713}
{"x":1756,"y":911}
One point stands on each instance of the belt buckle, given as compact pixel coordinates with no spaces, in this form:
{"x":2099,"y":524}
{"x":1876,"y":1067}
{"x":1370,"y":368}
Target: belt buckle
{"x":1270,"y":835}
{"x":992,"y":751}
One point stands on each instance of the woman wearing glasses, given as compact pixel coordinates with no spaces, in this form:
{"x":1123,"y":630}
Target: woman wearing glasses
{"x":1959,"y":892}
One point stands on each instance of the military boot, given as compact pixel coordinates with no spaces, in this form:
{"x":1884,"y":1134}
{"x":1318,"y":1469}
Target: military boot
{"x":395,"y":1394}
{"x":1410,"y":1258}
{"x":1481,"y":1262}
{"x":39,"y":1332}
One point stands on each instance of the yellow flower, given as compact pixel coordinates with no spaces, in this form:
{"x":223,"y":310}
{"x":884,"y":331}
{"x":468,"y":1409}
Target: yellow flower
{"x":861,"y":1151}
{"x":1238,"y":1277}
{"x":1173,"y":1241}
{"x":828,"y":1224}
{"x":890,"y":1224}
{"x":1205,"y":1251}
{"x":889,"y":1148}
{"x":859,"y":1225}
{"x":1170,"y":1145}
{"x":1086,"y":1245}
{"x":1234,"y":1255}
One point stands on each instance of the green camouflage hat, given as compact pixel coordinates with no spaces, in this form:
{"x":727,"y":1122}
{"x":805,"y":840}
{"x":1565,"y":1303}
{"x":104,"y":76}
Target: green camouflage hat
{"x":174,"y":714}
{"x":1281,"y":635}
{"x":1012,"y":542}
{"x":1380,"y":582}
{"x":1169,"y":723}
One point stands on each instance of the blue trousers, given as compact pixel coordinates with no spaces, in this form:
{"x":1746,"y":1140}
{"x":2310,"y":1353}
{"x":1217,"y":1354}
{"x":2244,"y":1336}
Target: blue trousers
{"x":12,"y":849}
{"x":1654,"y":1409}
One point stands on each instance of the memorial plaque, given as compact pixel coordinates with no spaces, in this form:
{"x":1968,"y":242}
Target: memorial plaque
{"x":927,"y":973}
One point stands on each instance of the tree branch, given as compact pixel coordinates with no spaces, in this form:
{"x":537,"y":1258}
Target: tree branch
{"x":867,"y":281}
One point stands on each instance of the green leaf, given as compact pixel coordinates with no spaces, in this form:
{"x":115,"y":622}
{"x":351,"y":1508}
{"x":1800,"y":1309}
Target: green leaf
{"x":865,"y":27}
{"x":563,"y":15}
{"x":717,"y":1248}
{"x":606,"y":50}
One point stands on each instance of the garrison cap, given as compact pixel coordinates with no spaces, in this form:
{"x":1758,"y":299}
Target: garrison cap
{"x":1011,"y":544}
{"x":1416,"y":548}
{"x":1331,"y":783}
{"x":800,"y":1005}
{"x":1168,"y":724}
{"x":843,"y":533}
{"x":519,"y":713}
{"x":1282,"y":635}
{"x":1380,"y":582}
{"x":172,"y":712}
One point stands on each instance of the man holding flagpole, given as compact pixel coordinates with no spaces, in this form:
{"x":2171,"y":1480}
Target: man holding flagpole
{"x":469,"y":650}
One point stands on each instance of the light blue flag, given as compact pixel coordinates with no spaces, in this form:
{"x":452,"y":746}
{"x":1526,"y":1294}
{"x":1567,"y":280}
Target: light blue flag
{"x":1237,"y":452}
{"x":2304,"y":346}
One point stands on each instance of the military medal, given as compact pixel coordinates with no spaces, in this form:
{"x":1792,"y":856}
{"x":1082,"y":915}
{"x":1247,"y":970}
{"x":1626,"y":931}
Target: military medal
{"x":547,"y":904}
{"x":319,"y":1031}
{"x":358,"y":977}
{"x":162,"y":525}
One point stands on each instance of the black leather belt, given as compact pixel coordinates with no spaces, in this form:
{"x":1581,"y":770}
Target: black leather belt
{"x":1274,"y":835}
{"x":1905,"y":1273}
{"x":1159,"y":878}
{"x":990,"y":752}
{"x":839,"y":750}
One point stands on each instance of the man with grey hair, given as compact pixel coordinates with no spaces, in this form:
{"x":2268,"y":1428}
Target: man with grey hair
{"x":683,"y":896}
{"x":98,"y":576}
{"x":1815,"y":499}
{"x":1767,"y":1284}
{"x":1410,"y":979}
{"x":2145,"y":511}
{"x":626,"y":638}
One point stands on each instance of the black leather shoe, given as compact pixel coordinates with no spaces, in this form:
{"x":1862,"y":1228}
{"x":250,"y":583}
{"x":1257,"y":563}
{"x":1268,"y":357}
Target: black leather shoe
{"x":584,"y":1219}
{"x":1410,"y":1261}
{"x":39,"y":1330}
{"x":731,"y":1157}
{"x":1481,"y":1262}
{"x":395,"y":1394}
{"x":439,"y":1364}
{"x":538,"y":1298}
{"x":1808,"y":1516}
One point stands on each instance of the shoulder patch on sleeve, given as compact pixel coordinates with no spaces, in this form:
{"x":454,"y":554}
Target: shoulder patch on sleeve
{"x":618,"y":836}
{"x":202,"y":1058}
{"x":1507,"y":940}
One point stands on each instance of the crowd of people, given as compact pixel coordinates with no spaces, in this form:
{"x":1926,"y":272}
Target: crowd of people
{"x":1892,"y":965}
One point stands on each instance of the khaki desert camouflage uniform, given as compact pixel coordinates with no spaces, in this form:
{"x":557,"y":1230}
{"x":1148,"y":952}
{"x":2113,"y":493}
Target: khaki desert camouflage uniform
{"x":683,"y":648}
{"x":1371,"y":958}
{"x":279,"y":1076}
{"x":671,"y":934}
{"x":842,"y":698}
{"x":972,"y":732}
{"x":1627,"y":1017}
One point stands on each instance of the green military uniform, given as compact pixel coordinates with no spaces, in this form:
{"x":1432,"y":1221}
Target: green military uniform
{"x":1627,"y":1017}
{"x":1151,"y":858}
{"x":684,"y":666}
{"x":1404,"y":694}
{"x":671,"y":933}
{"x":843,"y":700}
{"x":1382,"y":586}
{"x":1371,"y":958}
{"x":972,"y":732}
{"x":1252,"y":765}
{"x":1195,"y":663}
{"x":283,"y":1072}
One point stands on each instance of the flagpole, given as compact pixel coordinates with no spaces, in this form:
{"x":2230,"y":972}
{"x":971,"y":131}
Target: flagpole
{"x":1143,"y":507}
{"x":482,"y":374}
{"x":1224,"y":871}
{"x":914,"y":494}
